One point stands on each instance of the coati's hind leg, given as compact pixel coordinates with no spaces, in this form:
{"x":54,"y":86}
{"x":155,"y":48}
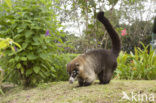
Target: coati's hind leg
{"x":106,"y":75}
{"x":103,"y":78}
{"x":100,"y":76}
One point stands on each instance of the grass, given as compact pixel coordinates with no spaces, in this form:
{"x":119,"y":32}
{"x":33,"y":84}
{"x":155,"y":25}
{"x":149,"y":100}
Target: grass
{"x":63,"y":92}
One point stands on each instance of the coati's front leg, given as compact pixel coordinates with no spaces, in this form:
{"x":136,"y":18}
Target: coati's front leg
{"x":84,"y":82}
{"x":81,"y":81}
{"x":89,"y":80}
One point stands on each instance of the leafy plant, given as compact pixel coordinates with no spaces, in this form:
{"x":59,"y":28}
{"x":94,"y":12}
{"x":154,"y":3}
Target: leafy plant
{"x":32,"y":24}
{"x":141,"y":65}
{"x":5,"y":43}
{"x":1,"y":79}
{"x":60,"y":62}
{"x":9,"y":3}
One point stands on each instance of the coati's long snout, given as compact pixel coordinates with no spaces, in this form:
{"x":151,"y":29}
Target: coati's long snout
{"x":99,"y":63}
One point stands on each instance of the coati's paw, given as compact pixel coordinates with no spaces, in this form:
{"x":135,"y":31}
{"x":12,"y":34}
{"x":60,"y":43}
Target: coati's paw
{"x":105,"y":82}
{"x":87,"y":83}
{"x":84,"y":84}
{"x":81,"y":84}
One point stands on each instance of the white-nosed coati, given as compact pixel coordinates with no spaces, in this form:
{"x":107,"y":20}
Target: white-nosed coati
{"x":98,"y":62}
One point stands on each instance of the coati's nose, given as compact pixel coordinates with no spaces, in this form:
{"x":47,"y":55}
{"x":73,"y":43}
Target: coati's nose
{"x":71,"y":80}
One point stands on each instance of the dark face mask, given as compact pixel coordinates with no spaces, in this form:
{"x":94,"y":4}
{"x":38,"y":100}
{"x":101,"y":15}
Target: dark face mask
{"x":73,"y":76}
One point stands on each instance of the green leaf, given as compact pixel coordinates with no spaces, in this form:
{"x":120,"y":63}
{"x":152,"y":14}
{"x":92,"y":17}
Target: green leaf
{"x":17,"y":36}
{"x":30,"y":48}
{"x":18,"y":66}
{"x":41,"y":74}
{"x":22,"y":70}
{"x":132,"y":1}
{"x":19,"y":30}
{"x":43,"y":56}
{"x":17,"y":44}
{"x":44,"y":66}
{"x":28,"y":72}
{"x":17,"y":58}
{"x":28,"y":33}
{"x":36,"y":38}
{"x":53,"y":69}
{"x":36,"y":43}
{"x":11,"y":60}
{"x":34,"y":80}
{"x":36,"y":69}
{"x":1,"y":92}
{"x":23,"y":58}
{"x":24,"y":45}
{"x":8,"y":2}
{"x":3,"y":43}
{"x":113,"y":2}
{"x":12,"y":48}
{"x":31,"y":57}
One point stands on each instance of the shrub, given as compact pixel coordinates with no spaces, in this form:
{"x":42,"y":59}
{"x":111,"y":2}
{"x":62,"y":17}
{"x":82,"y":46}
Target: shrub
{"x":32,"y":24}
{"x":59,"y":63}
{"x":1,"y":79}
{"x":141,"y":65}
{"x":5,"y":43}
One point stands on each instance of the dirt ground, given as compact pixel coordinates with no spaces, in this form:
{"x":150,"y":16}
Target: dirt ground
{"x":118,"y":91}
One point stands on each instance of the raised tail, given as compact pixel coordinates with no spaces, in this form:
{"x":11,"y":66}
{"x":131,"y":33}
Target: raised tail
{"x":113,"y":34}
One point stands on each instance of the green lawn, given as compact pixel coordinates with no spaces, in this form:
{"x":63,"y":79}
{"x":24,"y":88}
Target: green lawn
{"x":63,"y":92}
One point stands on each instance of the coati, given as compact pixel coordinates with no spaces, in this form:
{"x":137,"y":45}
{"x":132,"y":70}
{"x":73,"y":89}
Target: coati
{"x":99,"y":63}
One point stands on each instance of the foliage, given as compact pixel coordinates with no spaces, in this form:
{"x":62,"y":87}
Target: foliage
{"x":32,"y":24}
{"x":5,"y":43}
{"x":9,"y":3}
{"x":70,"y":43}
{"x":141,"y":65}
{"x":122,"y":14}
{"x":1,"y":79}
{"x":138,"y":31}
{"x":60,"y":62}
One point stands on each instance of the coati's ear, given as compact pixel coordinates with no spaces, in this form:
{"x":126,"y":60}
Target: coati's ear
{"x":77,"y":64}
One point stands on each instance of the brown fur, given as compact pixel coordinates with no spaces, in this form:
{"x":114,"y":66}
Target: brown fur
{"x":99,"y":62}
